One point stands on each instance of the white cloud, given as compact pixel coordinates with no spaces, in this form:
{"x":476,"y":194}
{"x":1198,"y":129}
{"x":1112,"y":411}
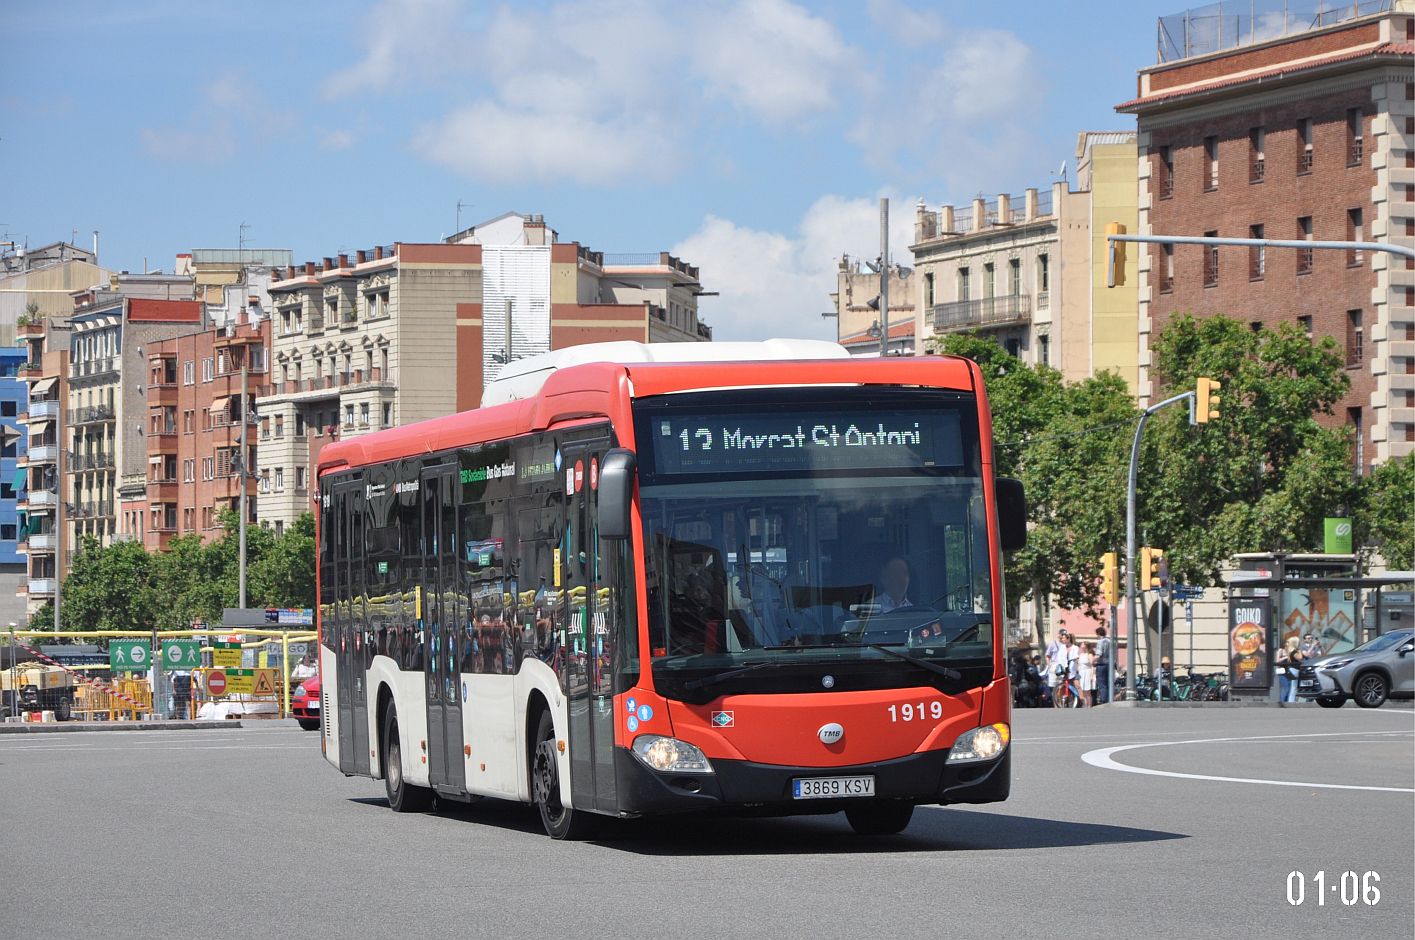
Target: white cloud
{"x":905,"y":25}
{"x":771,"y":58}
{"x":404,"y":39}
{"x":212,"y":145}
{"x":232,"y":116}
{"x":777,"y":284}
{"x":489,"y":141}
{"x":337,"y":140}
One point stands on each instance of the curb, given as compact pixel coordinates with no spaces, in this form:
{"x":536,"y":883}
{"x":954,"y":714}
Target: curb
{"x":71,"y":727}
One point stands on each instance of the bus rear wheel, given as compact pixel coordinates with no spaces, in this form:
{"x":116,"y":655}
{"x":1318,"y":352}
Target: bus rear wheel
{"x":560,"y":821}
{"x":879,"y":819}
{"x":403,"y":797}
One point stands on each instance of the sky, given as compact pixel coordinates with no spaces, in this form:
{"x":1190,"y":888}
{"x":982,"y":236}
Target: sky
{"x":752,"y":138}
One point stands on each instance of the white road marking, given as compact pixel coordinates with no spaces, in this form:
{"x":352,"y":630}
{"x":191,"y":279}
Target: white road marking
{"x":1101,"y":757}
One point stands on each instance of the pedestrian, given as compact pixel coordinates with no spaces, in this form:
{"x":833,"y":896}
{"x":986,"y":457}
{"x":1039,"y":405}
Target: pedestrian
{"x":1103,"y":684}
{"x":1036,"y":675}
{"x":1073,"y":671}
{"x":1311,"y":647}
{"x":1058,"y":666}
{"x":1087,"y":669}
{"x":1286,"y":675}
{"x":1163,"y":676}
{"x":1295,"y":660}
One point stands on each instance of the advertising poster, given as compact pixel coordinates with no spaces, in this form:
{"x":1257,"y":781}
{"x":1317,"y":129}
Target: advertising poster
{"x":1249,"y":659}
{"x":1319,"y":620}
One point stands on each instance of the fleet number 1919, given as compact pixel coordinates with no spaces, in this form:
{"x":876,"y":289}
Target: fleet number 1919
{"x":911,"y":712}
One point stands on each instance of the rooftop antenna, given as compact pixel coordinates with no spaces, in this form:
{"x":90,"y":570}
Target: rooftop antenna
{"x":1062,"y":172}
{"x":241,"y":240}
{"x":460,"y":206}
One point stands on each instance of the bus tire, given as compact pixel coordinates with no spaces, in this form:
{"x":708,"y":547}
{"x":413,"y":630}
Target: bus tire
{"x":403,"y":797}
{"x":882,"y":818}
{"x":560,"y":821}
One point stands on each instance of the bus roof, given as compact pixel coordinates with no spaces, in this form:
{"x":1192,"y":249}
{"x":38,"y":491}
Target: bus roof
{"x":606,"y":389}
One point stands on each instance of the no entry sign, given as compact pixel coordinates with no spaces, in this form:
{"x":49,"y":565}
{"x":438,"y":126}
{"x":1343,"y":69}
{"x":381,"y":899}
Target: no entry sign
{"x":216,"y":682}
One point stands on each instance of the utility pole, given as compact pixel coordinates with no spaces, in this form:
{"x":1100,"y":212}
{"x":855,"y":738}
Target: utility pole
{"x":508,"y":330}
{"x":60,"y":458}
{"x":883,"y":277}
{"x":245,"y":425}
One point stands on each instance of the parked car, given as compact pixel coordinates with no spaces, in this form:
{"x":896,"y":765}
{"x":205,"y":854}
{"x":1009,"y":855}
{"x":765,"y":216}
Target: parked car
{"x":1380,"y":669}
{"x":304,"y":704}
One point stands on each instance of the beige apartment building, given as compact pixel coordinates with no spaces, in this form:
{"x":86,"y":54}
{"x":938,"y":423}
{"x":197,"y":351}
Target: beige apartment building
{"x":412,"y":331}
{"x":1031,"y":271}
{"x":856,"y":303}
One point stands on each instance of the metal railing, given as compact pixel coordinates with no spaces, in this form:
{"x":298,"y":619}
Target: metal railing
{"x":92,"y":414}
{"x":985,"y":312}
{"x":1230,"y":24}
{"x":95,"y":461}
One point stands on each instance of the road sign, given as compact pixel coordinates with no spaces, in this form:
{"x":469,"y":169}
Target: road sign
{"x":129,"y":656}
{"x":264,"y":682}
{"x":181,"y":654}
{"x":216,"y":683}
{"x":226,"y":655}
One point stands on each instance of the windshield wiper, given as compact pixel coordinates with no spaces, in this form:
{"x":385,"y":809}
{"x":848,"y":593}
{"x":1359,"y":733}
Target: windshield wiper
{"x":944,"y":671}
{"x":729,"y":674}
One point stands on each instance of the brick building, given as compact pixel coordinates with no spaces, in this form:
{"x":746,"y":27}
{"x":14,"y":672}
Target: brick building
{"x":1301,"y":131}
{"x":195,"y":416}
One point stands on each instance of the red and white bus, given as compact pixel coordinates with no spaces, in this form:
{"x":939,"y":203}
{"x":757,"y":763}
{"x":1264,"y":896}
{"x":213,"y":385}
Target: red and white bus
{"x":648,"y":586}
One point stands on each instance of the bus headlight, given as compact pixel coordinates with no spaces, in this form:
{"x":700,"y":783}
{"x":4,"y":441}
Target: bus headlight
{"x":980,"y":744}
{"x":670,"y":755}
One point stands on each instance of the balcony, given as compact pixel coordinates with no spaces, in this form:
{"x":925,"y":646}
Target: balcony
{"x":94,"y":461}
{"x":43,"y":409}
{"x":93,"y":368}
{"x":94,"y":414}
{"x":163,"y":395}
{"x":987,"y":313}
{"x":162,"y":443}
{"x":163,"y":491}
{"x":42,"y":453}
{"x":42,"y":543}
{"x":40,"y":499}
{"x":30,"y":330}
{"x":41,"y":587}
{"x":30,"y":370}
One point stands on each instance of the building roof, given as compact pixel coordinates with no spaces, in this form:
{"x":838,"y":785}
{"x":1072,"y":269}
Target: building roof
{"x":896,"y":331}
{"x":1259,"y":76}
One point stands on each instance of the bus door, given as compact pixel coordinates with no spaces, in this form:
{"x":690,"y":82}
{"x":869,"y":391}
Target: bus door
{"x":350,"y":624}
{"x":588,"y":677}
{"x":443,"y":622}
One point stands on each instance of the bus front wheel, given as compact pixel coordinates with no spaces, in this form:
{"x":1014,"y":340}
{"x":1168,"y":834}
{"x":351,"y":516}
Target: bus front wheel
{"x":560,"y":821}
{"x":403,"y":797}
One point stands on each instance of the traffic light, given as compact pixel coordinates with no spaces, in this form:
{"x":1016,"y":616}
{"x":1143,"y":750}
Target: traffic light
{"x":1153,"y":572}
{"x":1110,"y":579}
{"x":1206,"y":402}
{"x":1115,"y":256}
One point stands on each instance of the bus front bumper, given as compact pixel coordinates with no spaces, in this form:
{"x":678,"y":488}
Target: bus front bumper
{"x":748,"y":787}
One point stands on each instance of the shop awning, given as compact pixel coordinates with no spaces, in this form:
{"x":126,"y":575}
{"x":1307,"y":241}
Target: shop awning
{"x":42,"y":387}
{"x":36,"y":428}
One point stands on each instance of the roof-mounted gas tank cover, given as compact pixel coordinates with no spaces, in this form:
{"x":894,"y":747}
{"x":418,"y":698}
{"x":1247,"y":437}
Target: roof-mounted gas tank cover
{"x":523,"y":378}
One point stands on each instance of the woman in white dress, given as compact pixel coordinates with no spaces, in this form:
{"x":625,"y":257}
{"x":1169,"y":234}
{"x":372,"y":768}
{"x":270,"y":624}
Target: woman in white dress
{"x":1087,"y":667}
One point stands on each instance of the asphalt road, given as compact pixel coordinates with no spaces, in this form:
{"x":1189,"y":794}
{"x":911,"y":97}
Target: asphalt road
{"x":249,"y":833}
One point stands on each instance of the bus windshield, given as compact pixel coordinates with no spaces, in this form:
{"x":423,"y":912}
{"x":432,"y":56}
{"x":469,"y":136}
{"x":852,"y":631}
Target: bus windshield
{"x":835,"y":541}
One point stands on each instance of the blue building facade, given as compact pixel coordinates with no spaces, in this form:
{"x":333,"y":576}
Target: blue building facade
{"x":14,"y":400}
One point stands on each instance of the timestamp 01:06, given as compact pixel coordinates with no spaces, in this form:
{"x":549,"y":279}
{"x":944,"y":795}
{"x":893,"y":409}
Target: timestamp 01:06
{"x":1348,"y":887}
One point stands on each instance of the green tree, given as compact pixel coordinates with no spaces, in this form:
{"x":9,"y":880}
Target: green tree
{"x":1263,"y":475}
{"x":111,"y":588}
{"x":1385,"y":521}
{"x":42,"y":618}
{"x":284,"y":575}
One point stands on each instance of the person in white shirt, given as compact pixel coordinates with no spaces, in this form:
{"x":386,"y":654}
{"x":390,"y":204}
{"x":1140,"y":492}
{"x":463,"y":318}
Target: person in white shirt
{"x":1058,"y":665}
{"x":304,"y":669}
{"x":894,"y":581}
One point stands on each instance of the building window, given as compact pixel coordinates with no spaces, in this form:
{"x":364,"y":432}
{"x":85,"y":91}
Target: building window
{"x":348,"y":416}
{"x":1210,"y":261}
{"x":1013,"y":347}
{"x":300,"y":475}
{"x":1044,"y":349}
{"x":257,"y":358}
{"x":1166,"y":172}
{"x":207,"y":369}
{"x":1211,"y":163}
{"x":1014,"y":276}
{"x":299,"y":424}
{"x":1353,"y":418}
{"x":1167,"y":270}
{"x":1354,"y":227}
{"x":1305,"y":322}
{"x":189,"y":470}
{"x":1355,"y":144}
{"x":1355,"y":338}
{"x":8,"y":532}
{"x":279,"y":479}
{"x":928,"y":290}
{"x":8,"y":409}
{"x":1043,"y":273}
{"x":363,"y":414}
{"x":1257,"y":255}
{"x":989,"y":280}
{"x":1304,"y":256}
{"x":388,"y":414}
{"x":965,"y":287}
{"x":1304,"y":146}
{"x":1256,"y":163}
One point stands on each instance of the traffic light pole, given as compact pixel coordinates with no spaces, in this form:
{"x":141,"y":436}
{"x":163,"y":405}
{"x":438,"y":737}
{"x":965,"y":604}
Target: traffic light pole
{"x":1132,"y":602}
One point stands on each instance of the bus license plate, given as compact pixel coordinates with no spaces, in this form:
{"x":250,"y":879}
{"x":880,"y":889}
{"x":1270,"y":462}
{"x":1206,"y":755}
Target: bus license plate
{"x":820,"y":788}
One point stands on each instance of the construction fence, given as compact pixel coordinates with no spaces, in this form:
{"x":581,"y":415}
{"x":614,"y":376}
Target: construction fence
{"x":98,"y":675}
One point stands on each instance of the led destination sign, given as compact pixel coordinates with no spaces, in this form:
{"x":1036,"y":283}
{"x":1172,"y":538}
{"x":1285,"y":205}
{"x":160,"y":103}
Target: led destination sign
{"x":807,"y":441}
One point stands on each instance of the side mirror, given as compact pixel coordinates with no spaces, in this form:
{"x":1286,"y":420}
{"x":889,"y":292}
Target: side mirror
{"x":1406,"y":649}
{"x":616,"y":492}
{"x":1011,"y":514}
